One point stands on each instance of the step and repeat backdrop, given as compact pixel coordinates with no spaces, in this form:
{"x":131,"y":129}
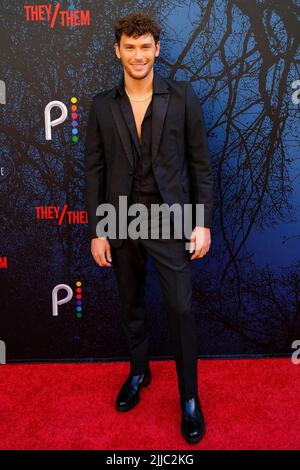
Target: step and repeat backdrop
{"x":242,"y":58}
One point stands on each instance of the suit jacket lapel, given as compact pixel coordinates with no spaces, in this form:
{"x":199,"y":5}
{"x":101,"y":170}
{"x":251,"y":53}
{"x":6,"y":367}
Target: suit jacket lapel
{"x":159,"y":110}
{"x":129,"y":119}
{"x":122,"y":129}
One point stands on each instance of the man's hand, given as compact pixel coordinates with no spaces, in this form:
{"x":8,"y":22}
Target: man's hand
{"x":100,"y":249}
{"x":200,"y":241}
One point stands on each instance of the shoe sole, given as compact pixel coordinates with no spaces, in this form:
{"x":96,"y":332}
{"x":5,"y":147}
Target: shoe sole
{"x":129,"y":407}
{"x":194,"y":440}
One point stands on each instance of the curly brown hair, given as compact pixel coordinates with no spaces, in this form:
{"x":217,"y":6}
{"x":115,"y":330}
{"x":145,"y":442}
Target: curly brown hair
{"x":135,"y":25}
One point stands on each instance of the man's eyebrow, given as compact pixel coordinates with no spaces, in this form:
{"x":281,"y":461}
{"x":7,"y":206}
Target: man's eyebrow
{"x":145,"y":44}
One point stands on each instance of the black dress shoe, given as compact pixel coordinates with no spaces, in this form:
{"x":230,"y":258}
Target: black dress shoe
{"x":192,"y":424}
{"x":129,"y":395}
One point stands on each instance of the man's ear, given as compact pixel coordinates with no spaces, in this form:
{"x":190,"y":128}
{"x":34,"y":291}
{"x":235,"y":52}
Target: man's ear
{"x":157,"y":49}
{"x":117,"y":50}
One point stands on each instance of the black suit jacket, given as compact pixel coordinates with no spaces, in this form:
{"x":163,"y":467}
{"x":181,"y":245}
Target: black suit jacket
{"x":180,"y":156}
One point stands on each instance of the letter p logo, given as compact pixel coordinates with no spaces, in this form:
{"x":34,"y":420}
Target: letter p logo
{"x":56,"y":302}
{"x":48,"y":123}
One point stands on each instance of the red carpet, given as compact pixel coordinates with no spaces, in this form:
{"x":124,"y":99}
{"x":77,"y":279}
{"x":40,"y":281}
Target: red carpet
{"x":247,"y":404}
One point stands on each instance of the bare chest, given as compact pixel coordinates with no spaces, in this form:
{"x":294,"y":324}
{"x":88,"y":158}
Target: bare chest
{"x":139,"y":110}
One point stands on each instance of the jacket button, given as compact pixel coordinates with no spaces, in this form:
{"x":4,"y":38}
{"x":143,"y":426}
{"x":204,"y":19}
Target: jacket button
{"x":130,"y":173}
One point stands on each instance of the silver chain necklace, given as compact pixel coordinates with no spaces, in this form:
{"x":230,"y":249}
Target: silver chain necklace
{"x":134,"y":99}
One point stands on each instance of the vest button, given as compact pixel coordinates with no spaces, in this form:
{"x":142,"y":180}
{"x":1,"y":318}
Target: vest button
{"x":130,"y":173}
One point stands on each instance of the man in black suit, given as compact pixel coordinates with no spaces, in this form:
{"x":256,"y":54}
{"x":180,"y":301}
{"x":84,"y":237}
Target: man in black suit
{"x":146,"y":140}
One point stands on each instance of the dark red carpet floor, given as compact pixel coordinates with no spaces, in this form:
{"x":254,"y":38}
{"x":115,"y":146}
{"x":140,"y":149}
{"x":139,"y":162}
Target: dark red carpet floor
{"x":247,"y":404}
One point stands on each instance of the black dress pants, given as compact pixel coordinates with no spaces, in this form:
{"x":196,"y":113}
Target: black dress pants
{"x":174,"y":267}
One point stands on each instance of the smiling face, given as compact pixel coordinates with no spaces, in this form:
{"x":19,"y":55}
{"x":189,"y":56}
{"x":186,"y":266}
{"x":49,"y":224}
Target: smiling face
{"x":137,"y":55}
